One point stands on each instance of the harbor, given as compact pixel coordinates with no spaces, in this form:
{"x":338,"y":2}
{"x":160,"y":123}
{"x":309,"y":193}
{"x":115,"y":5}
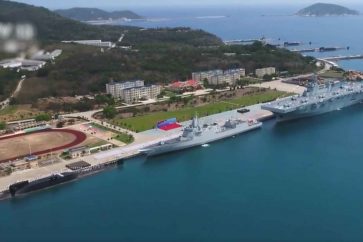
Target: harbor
{"x":146,"y":138}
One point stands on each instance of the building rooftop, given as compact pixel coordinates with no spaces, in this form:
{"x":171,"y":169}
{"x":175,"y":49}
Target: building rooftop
{"x":76,"y":149}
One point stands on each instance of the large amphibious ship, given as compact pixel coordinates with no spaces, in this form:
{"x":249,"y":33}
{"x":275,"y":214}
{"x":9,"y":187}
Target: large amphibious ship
{"x":195,"y":135}
{"x":317,"y":99}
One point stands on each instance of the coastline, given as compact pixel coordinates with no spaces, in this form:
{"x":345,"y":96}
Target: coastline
{"x":124,"y":153}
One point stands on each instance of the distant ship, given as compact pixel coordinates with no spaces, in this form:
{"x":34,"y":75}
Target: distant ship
{"x":197,"y":135}
{"x":317,"y":99}
{"x":25,"y":187}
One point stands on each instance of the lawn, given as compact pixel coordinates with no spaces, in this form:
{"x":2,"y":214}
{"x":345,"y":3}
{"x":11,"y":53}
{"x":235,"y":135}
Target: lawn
{"x":125,"y":138}
{"x":142,"y":123}
{"x":17,"y":112}
{"x":120,"y":136}
{"x":8,"y":110}
{"x":332,"y":74}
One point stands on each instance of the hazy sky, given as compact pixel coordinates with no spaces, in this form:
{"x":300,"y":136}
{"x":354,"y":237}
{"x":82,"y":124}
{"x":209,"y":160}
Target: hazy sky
{"x":122,"y":4}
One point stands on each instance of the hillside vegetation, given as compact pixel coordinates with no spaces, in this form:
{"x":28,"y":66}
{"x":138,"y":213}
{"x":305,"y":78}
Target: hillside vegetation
{"x":325,"y":9}
{"x":157,"y":55}
{"x":83,"y":69}
{"x":88,"y":14}
{"x":53,"y":27}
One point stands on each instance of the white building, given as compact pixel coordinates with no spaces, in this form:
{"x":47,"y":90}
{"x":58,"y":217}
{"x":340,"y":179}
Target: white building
{"x":265,"y":71}
{"x":228,"y":78}
{"x":97,"y":43}
{"x":131,"y":95}
{"x":79,"y":152}
{"x":45,"y":56}
{"x":29,"y":65}
{"x":218,"y":77}
{"x":200,"y":76}
{"x":116,"y":88}
{"x":239,"y":71}
{"x":131,"y":91}
{"x":10,"y":63}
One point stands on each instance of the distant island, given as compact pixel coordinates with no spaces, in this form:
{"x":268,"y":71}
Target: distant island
{"x":325,"y":9}
{"x":95,"y":14}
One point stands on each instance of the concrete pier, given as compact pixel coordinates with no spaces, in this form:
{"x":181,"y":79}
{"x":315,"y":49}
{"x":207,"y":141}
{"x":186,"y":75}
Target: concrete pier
{"x":148,"y":138}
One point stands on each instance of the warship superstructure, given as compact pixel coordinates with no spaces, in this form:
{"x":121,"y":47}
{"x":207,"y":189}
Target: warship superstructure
{"x":197,"y":135}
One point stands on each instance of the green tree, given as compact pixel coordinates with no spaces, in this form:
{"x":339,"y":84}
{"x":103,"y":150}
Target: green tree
{"x":43,"y":117}
{"x":2,"y":125}
{"x":109,"y":112}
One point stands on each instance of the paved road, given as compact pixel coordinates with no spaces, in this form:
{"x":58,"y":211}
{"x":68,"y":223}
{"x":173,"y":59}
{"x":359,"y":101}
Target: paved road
{"x":6,"y":102}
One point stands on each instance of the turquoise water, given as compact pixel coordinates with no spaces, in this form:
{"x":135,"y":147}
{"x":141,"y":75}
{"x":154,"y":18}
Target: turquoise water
{"x":290,"y":181}
{"x":301,"y":180}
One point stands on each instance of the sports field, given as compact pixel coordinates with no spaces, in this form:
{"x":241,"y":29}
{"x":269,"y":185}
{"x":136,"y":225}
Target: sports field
{"x":37,"y":143}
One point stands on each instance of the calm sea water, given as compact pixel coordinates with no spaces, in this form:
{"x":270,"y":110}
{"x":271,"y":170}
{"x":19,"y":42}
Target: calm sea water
{"x":291,"y":181}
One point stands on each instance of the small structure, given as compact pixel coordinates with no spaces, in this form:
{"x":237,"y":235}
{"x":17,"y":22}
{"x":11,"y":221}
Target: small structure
{"x":24,"y":64}
{"x":46,"y":56}
{"x":101,"y":148}
{"x":79,"y":152}
{"x":20,"y":165}
{"x":97,"y":43}
{"x":265,"y":71}
{"x":32,"y":161}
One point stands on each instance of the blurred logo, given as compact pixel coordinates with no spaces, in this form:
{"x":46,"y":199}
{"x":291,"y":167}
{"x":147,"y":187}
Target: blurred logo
{"x":16,"y":37}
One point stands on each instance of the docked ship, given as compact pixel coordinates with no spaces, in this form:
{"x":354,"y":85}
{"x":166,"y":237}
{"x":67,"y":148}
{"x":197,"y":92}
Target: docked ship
{"x":317,"y":99}
{"x":197,"y":135}
{"x":25,"y":187}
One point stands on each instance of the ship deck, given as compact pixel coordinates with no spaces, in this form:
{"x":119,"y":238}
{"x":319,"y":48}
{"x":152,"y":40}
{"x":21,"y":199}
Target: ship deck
{"x":290,"y":104}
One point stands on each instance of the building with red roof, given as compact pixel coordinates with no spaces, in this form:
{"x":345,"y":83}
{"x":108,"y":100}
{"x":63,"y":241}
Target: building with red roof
{"x":186,"y":85}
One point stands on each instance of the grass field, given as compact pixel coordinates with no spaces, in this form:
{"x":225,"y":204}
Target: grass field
{"x":332,"y":74}
{"x":124,"y":138}
{"x":17,"y":112}
{"x":142,"y":123}
{"x":120,"y":136}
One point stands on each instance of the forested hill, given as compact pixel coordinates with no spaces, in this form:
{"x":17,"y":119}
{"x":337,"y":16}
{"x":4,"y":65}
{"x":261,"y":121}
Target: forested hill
{"x":52,"y":27}
{"x":89,"y":14}
{"x":325,"y":9}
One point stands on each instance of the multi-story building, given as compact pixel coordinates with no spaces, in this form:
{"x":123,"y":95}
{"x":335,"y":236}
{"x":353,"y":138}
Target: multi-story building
{"x":131,"y":95}
{"x":116,"y":88}
{"x":132,"y":91}
{"x":265,"y":71}
{"x":200,"y":76}
{"x":239,"y":71}
{"x":229,"y":78}
{"x":219,"y":77}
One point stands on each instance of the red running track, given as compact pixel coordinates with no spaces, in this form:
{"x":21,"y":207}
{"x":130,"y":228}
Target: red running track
{"x":80,"y":137}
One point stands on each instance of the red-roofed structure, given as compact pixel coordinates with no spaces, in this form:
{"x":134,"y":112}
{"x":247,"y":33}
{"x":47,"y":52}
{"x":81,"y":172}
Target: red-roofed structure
{"x":189,"y":84}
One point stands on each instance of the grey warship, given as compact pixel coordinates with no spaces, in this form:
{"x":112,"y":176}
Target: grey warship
{"x":317,"y":99}
{"x":196,"y":135}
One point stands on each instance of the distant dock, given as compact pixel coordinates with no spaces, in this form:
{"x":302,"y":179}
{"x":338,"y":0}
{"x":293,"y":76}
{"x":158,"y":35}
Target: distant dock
{"x":320,"y":49}
{"x":347,"y":57}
